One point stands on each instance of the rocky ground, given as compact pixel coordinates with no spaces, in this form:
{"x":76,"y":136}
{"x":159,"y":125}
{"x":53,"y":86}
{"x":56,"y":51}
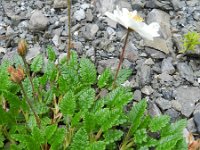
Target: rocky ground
{"x":168,"y":80}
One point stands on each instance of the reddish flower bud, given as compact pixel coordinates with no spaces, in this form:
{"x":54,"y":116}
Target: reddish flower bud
{"x":16,"y":75}
{"x":22,"y":48}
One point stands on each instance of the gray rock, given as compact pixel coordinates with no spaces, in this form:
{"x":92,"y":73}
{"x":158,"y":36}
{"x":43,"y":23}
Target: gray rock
{"x":89,"y":15}
{"x":176,"y":105}
{"x":197,"y":108}
{"x":137,"y":95}
{"x":154,"y":53}
{"x":33,"y":52}
{"x":85,"y":6}
{"x":89,"y":31}
{"x":167,"y":66}
{"x":60,"y":4}
{"x":163,"y":104}
{"x":164,"y":77}
{"x":2,"y":50}
{"x":147,"y":90}
{"x":79,"y":14}
{"x":10,"y":57}
{"x":109,"y":63}
{"x":78,"y":47}
{"x":191,"y":125}
{"x":56,"y":40}
{"x":131,"y":52}
{"x":149,"y":61}
{"x":177,"y":4}
{"x":174,"y":115}
{"x":39,"y":4}
{"x":90,"y":52}
{"x":187,"y":97}
{"x":38,"y":21}
{"x":186,"y":71}
{"x":163,"y":19}
{"x":9,"y":31}
{"x":105,"y":5}
{"x":144,"y":75}
{"x":197,"y":121}
{"x":161,"y":4}
{"x":153,"y":109}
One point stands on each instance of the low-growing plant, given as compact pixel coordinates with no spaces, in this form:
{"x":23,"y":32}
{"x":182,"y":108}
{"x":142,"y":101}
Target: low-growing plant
{"x":59,"y":106}
{"x":190,"y":41}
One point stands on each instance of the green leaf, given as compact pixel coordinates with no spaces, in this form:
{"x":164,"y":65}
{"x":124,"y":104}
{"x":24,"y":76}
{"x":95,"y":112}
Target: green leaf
{"x":157,"y":123}
{"x":51,"y":53}
{"x":87,"y":71}
{"x":99,"y":145}
{"x":118,"y":98}
{"x":105,"y":78}
{"x":37,"y":64}
{"x":89,"y":121}
{"x":68,"y":104}
{"x":80,"y":140}
{"x":49,"y":131}
{"x":86,"y":99}
{"x":38,"y":136}
{"x":57,"y":139}
{"x":112,"y":135}
{"x":136,"y":114}
{"x":140,"y":136}
{"x":123,"y":75}
{"x":1,"y":140}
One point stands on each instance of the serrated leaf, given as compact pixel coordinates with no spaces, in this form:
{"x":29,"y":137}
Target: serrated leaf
{"x":123,"y":75}
{"x":76,"y":119}
{"x":38,"y":136}
{"x":140,"y":136}
{"x":157,"y":123}
{"x":89,"y":122}
{"x":80,"y":140}
{"x":112,"y":136}
{"x":99,"y":145}
{"x":104,"y":78}
{"x":118,"y":98}
{"x":49,"y":131}
{"x":51,"y":53}
{"x":86,"y":99}
{"x":136,"y":114}
{"x":57,"y":138}
{"x":87,"y":71}
{"x":68,"y":104}
{"x":37,"y":64}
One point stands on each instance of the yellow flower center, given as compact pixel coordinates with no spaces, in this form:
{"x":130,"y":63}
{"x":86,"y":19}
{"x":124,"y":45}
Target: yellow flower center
{"x":135,"y":17}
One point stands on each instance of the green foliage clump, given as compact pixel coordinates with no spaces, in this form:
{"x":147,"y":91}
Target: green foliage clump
{"x":190,"y":41}
{"x":61,"y":108}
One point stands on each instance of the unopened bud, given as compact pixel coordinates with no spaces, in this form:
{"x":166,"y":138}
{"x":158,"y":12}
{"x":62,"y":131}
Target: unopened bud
{"x":22,"y":48}
{"x":16,"y":75}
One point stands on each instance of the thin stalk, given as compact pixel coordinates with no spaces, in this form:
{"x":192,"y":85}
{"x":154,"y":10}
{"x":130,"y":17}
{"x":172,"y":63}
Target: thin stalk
{"x":98,"y":134}
{"x":69,"y":30}
{"x":29,"y":76}
{"x":30,"y":105}
{"x":121,"y":57}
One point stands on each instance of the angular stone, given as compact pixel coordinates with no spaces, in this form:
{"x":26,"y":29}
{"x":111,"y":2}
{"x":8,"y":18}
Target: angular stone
{"x":79,"y":14}
{"x":144,"y":75}
{"x":197,"y":121}
{"x":186,"y":71}
{"x":109,"y":63}
{"x":38,"y":21}
{"x":167,"y":66}
{"x":147,"y":90}
{"x":33,"y":52}
{"x":187,"y":97}
{"x":153,"y":109}
{"x":154,"y":53}
{"x":60,"y":4}
{"x":175,"y":116}
{"x":191,"y":125}
{"x":89,"y":31}
{"x":163,"y":103}
{"x":137,"y":95}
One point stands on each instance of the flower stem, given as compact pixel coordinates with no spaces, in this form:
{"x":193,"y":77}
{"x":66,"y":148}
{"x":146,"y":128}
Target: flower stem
{"x":29,"y":76}
{"x":69,"y":30}
{"x":30,"y":105}
{"x":121,"y":57}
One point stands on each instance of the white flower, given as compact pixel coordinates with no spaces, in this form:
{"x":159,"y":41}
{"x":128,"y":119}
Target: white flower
{"x":131,"y":20}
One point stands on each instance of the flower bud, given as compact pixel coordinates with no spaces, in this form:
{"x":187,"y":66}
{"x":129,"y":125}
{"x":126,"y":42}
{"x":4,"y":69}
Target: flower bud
{"x":22,"y":48}
{"x":16,"y":75}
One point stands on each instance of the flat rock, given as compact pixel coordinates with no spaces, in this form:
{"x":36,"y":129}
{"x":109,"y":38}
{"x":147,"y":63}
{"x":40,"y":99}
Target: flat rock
{"x":153,"y":109}
{"x":144,"y":75}
{"x":147,"y":90}
{"x":109,"y":63}
{"x":131,"y":52}
{"x":191,"y":125}
{"x":38,"y":21}
{"x":197,"y":121}
{"x":33,"y":52}
{"x":137,"y":95}
{"x":174,"y":115}
{"x":163,"y":104}
{"x":60,"y":4}
{"x":167,"y":66}
{"x":186,"y":71}
{"x":187,"y":97}
{"x":89,"y":31}
{"x":154,"y":53}
{"x":79,"y":14}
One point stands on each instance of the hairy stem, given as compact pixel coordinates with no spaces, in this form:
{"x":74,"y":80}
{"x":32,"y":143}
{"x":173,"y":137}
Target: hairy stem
{"x":29,"y":76}
{"x":69,"y":30}
{"x":121,"y":57}
{"x":30,"y":105}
